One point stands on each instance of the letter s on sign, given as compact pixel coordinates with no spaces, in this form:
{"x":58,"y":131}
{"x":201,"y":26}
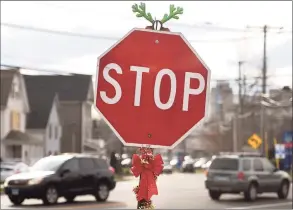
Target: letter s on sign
{"x":109,"y":79}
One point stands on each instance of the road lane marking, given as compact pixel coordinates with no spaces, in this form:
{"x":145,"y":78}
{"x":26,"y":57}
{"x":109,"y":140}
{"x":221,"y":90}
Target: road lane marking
{"x":261,"y":206}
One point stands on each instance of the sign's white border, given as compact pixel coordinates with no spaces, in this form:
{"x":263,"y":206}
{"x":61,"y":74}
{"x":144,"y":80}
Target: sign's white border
{"x":199,"y":124}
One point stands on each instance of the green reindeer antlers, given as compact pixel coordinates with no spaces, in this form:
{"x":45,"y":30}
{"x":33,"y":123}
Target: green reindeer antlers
{"x":173,"y":13}
{"x":140,"y":11}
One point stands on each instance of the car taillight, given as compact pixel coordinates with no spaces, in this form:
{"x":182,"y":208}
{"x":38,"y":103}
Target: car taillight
{"x":206,"y":172}
{"x":240,"y":176}
{"x":112,"y":169}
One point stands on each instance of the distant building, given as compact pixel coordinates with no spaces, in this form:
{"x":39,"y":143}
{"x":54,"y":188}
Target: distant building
{"x":221,"y":100}
{"x":16,"y":142}
{"x":44,"y":120}
{"x":74,"y":96}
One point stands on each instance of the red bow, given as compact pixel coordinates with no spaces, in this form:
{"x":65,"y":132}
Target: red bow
{"x":148,"y":172}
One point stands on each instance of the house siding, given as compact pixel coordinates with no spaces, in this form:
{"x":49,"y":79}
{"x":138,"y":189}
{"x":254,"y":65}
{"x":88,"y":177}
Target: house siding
{"x":13,"y":104}
{"x":86,"y":122}
{"x":71,"y":140}
{"x":29,"y":153}
{"x":53,"y":142}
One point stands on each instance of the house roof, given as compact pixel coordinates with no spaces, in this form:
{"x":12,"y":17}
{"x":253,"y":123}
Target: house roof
{"x":18,"y":137}
{"x":6,"y":84}
{"x":42,"y":91}
{"x":68,"y":87}
{"x":40,"y":104}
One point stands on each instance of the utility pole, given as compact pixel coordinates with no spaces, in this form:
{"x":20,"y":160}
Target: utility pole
{"x":264,"y":81}
{"x":264,"y":67}
{"x":240,"y":95}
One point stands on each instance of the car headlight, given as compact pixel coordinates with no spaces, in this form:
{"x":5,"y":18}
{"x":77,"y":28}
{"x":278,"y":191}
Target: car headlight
{"x":6,"y":182}
{"x":35,"y":181}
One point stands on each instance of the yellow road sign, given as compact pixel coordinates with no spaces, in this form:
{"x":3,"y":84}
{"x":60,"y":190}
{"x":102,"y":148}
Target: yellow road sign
{"x":254,"y":141}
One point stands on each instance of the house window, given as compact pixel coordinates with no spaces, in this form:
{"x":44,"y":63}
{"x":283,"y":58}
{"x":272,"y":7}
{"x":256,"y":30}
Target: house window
{"x":50,"y":132}
{"x":15,"y":90}
{"x":16,"y":151}
{"x":56,"y":132}
{"x":15,"y":120}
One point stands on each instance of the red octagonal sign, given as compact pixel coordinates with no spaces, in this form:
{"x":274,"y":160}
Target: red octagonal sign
{"x":152,"y":88}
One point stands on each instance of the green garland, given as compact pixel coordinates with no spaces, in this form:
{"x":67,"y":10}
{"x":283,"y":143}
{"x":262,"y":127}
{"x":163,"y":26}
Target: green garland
{"x":140,"y":11}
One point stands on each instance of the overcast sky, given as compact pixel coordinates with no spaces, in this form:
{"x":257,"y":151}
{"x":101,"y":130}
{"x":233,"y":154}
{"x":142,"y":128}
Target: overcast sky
{"x":215,"y":29}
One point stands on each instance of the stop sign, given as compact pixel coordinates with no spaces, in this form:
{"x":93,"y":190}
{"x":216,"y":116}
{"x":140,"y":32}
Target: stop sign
{"x":152,"y":88}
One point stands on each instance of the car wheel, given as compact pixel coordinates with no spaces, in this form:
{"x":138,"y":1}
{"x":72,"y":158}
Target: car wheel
{"x":102,"y":192}
{"x":51,"y":196}
{"x":69,"y":198}
{"x":251,"y":193}
{"x":215,"y":195}
{"x":284,"y":190}
{"x":16,"y":200}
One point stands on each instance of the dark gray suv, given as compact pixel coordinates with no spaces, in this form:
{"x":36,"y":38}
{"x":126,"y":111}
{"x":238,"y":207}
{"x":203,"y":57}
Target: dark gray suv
{"x":250,"y":174}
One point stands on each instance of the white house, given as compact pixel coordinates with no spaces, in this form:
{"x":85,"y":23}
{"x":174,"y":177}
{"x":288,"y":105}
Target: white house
{"x":44,"y":119}
{"x":16,"y":143}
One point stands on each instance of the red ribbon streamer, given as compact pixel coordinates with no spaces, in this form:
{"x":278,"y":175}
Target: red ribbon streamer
{"x":147,"y":172}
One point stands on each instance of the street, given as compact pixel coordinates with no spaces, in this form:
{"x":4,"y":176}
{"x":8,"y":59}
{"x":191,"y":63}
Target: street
{"x":181,"y":191}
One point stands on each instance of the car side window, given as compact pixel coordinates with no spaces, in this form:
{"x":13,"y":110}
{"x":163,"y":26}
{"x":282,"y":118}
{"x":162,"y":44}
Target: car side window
{"x":71,"y":165}
{"x":101,"y":164}
{"x":257,"y":165}
{"x":86,"y":164}
{"x":267,"y":165}
{"x":246,"y":165}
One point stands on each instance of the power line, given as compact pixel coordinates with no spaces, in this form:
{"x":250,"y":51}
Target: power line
{"x":63,"y":71}
{"x":206,"y":26}
{"x":91,"y":36}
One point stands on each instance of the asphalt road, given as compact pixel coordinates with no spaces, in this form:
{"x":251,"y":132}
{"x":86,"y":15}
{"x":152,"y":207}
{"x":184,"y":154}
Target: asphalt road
{"x":181,"y":191}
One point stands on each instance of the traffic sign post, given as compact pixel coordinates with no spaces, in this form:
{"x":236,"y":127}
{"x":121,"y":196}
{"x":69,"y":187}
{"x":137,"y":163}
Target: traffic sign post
{"x":152,"y":86}
{"x":254,"y":141}
{"x":280,"y":151}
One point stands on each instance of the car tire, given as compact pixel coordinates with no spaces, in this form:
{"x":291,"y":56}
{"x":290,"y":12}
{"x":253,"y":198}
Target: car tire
{"x":284,"y":190}
{"x":69,"y":198}
{"x":51,"y":195}
{"x":102,"y":192}
{"x":16,"y":200}
{"x":214,"y":195}
{"x":251,"y":193}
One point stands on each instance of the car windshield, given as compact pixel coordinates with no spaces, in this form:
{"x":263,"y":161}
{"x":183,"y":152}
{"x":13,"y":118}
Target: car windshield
{"x":224,"y":164}
{"x":51,"y":163}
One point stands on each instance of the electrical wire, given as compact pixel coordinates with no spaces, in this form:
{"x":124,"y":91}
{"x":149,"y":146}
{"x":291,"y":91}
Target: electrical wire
{"x":91,"y":36}
{"x":32,"y":68}
{"x":194,"y":26}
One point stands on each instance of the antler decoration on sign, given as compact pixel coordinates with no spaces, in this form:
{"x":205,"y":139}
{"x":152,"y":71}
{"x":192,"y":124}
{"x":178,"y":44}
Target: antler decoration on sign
{"x":148,"y":166}
{"x":173,"y":13}
{"x":140,"y":11}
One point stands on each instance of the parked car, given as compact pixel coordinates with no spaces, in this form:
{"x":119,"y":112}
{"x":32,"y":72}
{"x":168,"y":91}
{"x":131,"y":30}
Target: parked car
{"x":126,"y":163}
{"x":168,"y":168}
{"x":187,"y":165}
{"x":174,"y":162}
{"x":198,"y":164}
{"x":66,"y":175}
{"x":250,"y":174}
{"x":208,"y":163}
{"x":10,"y":168}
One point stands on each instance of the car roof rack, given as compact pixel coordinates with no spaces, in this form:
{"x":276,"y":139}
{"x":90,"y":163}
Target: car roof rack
{"x":243,"y":154}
